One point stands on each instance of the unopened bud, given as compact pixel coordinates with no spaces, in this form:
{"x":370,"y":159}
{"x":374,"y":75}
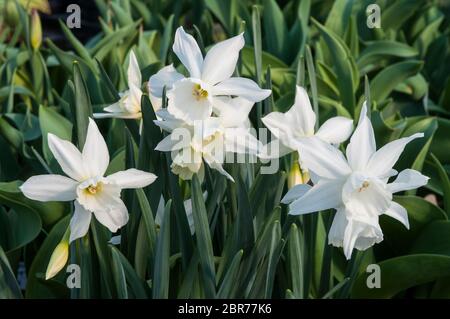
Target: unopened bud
{"x":36,"y":30}
{"x":297,"y":175}
{"x":59,"y":258}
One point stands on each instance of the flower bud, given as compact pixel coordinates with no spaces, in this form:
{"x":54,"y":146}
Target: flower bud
{"x":297,"y":176}
{"x":36,"y":30}
{"x":58,"y":259}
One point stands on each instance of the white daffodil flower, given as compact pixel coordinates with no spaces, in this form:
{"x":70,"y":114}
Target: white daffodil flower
{"x":86,"y":185}
{"x":298,"y":123}
{"x":356,"y":186}
{"x":191,"y":99}
{"x":129,"y":105}
{"x":208,"y":140}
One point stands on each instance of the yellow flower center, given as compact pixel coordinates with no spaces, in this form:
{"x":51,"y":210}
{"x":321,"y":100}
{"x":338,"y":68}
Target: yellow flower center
{"x":93,"y":189}
{"x":199,"y":93}
{"x":365,"y":184}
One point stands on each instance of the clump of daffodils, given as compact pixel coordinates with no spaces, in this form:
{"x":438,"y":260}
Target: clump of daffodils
{"x":207,"y":112}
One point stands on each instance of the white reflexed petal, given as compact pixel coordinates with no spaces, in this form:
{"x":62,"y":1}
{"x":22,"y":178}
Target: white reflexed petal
{"x":399,"y":213}
{"x":214,"y":163}
{"x":184,"y":105}
{"x":95,"y":152}
{"x":322,"y":159}
{"x":165,"y":77}
{"x":406,"y":180}
{"x":302,"y":113}
{"x":67,"y":156}
{"x":47,"y":188}
{"x":113,"y":216}
{"x":337,"y":229}
{"x":274,"y":149}
{"x":362,"y":143}
{"x":79,"y":223}
{"x":242,"y":87}
{"x":384,"y":159}
{"x":295,"y":193}
{"x":221,"y":59}
{"x":281,"y":126}
{"x":132,"y":178}
{"x":241,"y":141}
{"x":187,"y":50}
{"x":180,"y":138}
{"x":336,"y":130}
{"x":133,"y":72}
{"x":324,"y":195}
{"x":233,"y":112}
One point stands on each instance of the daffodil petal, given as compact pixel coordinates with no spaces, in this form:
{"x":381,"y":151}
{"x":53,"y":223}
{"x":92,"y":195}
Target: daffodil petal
{"x":67,"y":156}
{"x":322,"y":159}
{"x":301,"y":113}
{"x":132,"y":178}
{"x":295,"y":193}
{"x":165,"y":77}
{"x":324,"y":195}
{"x":188,"y":51}
{"x":114,"y":216}
{"x":79,"y":223}
{"x":47,"y":188}
{"x":362,"y":143}
{"x":335,"y":130}
{"x":95,"y":152}
{"x":221,"y":59}
{"x":384,"y":159}
{"x":399,"y":213}
{"x":406,"y":180}
{"x":134,"y":72}
{"x":242,"y":87}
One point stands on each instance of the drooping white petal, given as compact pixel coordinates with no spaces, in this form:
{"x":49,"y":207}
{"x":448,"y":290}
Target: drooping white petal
{"x":384,"y":159}
{"x":336,"y":130}
{"x":79,"y":223}
{"x":362,"y":143}
{"x":406,"y":180}
{"x":324,"y":195}
{"x":95,"y":152}
{"x":233,"y":112}
{"x":295,"y":193}
{"x":221,"y":59}
{"x":132,"y":178}
{"x":180,"y":138}
{"x":399,"y":213}
{"x":167,"y":121}
{"x":242,"y":87}
{"x":322,"y":159}
{"x":337,"y":229}
{"x":47,"y":188}
{"x":274,"y":149}
{"x":361,"y":235}
{"x":187,"y":50}
{"x":185,"y":105}
{"x":67,"y":156}
{"x":282,"y":127}
{"x":113,"y":216}
{"x":115,"y":107}
{"x":134,"y":72}
{"x":214,"y":164}
{"x":241,"y":141}
{"x":165,"y":77}
{"x":301,"y":113}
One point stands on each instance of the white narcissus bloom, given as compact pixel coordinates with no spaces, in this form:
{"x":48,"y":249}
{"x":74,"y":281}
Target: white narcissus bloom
{"x":298,"y":123}
{"x":191,"y":99}
{"x":129,"y":105}
{"x":356,"y":186}
{"x":210,"y":139}
{"x":86,"y":185}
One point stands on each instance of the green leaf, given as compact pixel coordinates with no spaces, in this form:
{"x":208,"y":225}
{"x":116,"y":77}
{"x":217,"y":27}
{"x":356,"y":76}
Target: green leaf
{"x":229,"y":281}
{"x":386,"y":80}
{"x":203,"y":238}
{"x":378,"y":50}
{"x":401,"y":273}
{"x":9,"y":288}
{"x":160,"y":287}
{"x":275,"y":28}
{"x":82,"y":108}
{"x":295,"y":261}
{"x":445,"y":183}
{"x":118,"y":274}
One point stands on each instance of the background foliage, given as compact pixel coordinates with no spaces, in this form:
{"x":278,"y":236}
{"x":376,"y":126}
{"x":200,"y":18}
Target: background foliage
{"x":245,"y":244}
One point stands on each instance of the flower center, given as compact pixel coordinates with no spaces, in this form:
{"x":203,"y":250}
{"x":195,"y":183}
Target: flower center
{"x":93,"y":189}
{"x":199,"y":93}
{"x":365,"y":184}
